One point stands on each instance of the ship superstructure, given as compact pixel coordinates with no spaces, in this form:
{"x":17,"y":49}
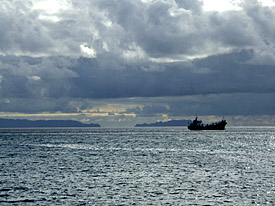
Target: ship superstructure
{"x":198,"y":125}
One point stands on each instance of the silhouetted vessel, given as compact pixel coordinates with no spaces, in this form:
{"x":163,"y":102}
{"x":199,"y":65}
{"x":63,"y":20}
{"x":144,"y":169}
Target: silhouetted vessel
{"x":198,"y":125}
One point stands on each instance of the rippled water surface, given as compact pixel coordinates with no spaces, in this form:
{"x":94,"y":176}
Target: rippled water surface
{"x":137,"y":166}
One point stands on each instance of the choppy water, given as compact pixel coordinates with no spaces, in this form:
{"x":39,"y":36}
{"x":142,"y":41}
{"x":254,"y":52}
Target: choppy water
{"x":137,"y":166}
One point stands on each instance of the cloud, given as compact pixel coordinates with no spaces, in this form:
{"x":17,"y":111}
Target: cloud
{"x":144,"y":29}
{"x":181,"y":30}
{"x":35,"y":77}
{"x":168,"y":57}
{"x":21,"y":32}
{"x":217,"y":74}
{"x":62,"y":77}
{"x":263,"y":27}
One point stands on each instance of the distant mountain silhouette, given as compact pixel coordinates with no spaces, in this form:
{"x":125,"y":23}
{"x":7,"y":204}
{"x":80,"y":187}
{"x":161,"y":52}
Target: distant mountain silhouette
{"x":18,"y":123}
{"x":172,"y":123}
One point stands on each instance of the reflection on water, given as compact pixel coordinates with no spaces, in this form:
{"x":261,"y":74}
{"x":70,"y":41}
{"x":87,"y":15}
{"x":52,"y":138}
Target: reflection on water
{"x":137,"y":166}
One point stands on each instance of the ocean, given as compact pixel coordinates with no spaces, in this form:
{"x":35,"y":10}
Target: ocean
{"x":137,"y":166}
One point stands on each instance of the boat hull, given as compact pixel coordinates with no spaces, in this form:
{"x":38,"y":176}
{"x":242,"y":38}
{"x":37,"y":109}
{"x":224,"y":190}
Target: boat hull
{"x":205,"y":128}
{"x":218,"y":126}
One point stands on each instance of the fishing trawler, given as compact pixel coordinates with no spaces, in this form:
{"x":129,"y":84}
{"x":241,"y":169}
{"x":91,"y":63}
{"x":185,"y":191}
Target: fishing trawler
{"x":198,"y":125}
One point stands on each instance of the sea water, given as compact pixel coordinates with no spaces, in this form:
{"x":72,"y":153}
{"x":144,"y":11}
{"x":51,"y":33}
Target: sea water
{"x":137,"y":166}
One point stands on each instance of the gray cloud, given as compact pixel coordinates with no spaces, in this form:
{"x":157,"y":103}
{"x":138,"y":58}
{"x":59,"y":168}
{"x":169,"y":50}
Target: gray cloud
{"x":88,"y":78}
{"x":21,"y":32}
{"x":217,"y":74}
{"x":203,"y":105}
{"x":156,"y":29}
{"x":171,"y":57}
{"x":194,"y":6}
{"x":85,"y":78}
{"x":167,"y":29}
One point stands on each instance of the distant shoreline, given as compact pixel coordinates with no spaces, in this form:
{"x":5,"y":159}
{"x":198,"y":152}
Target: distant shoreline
{"x":24,"y":123}
{"x":171,"y":123}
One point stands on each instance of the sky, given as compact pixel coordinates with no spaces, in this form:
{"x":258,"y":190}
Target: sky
{"x":123,"y":62}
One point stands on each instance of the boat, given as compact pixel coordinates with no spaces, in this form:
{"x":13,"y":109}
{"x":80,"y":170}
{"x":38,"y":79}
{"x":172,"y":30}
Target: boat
{"x":198,"y":125}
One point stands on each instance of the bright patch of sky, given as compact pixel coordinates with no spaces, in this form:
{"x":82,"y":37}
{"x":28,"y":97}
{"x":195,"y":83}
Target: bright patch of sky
{"x":87,"y":51}
{"x":225,"y":5}
{"x":51,"y":6}
{"x":267,"y":2}
{"x":220,"y":5}
{"x":54,"y":6}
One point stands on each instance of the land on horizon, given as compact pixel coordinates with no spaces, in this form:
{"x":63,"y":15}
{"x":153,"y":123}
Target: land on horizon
{"x":24,"y":123}
{"x":171,"y":123}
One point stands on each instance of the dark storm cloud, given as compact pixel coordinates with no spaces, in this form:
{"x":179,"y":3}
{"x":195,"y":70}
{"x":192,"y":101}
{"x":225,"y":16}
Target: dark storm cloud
{"x":214,"y":104}
{"x":61,"y":77}
{"x":217,"y":74}
{"x":27,"y":77}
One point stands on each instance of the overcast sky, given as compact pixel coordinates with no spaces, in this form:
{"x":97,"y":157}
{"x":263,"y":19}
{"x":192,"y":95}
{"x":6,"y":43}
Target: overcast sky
{"x":122,"y":62}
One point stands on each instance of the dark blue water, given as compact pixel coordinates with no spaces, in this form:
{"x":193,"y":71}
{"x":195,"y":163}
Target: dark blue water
{"x":137,"y":166}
